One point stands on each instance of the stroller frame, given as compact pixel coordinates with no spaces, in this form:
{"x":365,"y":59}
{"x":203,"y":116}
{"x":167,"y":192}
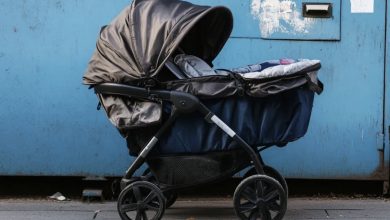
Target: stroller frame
{"x":137,"y":49}
{"x":185,"y":103}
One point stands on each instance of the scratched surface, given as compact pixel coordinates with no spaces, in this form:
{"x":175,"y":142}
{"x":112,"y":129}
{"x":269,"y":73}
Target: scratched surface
{"x":275,"y":19}
{"x":49,"y":125}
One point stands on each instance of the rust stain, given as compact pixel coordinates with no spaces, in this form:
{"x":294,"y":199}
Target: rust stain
{"x":382,"y":171}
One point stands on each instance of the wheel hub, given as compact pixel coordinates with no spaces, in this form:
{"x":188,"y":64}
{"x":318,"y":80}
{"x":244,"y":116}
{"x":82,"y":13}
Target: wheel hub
{"x":141,"y":207}
{"x":261,"y":203}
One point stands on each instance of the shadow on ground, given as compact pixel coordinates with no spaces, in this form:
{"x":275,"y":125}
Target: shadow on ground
{"x":73,"y":186}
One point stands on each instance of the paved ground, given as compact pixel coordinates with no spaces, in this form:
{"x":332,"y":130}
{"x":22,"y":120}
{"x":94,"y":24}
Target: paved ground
{"x":210,"y":209}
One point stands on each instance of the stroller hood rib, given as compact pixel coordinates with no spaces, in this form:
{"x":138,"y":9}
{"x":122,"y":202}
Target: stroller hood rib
{"x":140,"y":40}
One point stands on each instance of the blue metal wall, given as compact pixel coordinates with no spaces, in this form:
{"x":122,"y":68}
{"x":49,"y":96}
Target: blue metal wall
{"x":49,"y":125}
{"x":345,"y":136}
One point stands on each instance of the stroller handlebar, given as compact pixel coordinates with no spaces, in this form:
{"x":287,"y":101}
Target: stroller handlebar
{"x":184,"y":102}
{"x":131,"y":91}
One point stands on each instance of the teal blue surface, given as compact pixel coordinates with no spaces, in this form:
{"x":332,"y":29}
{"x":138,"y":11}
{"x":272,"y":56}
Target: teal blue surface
{"x":386,"y":99}
{"x":287,"y":21}
{"x":49,"y":125}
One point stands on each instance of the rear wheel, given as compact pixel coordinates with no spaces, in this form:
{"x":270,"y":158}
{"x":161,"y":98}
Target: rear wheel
{"x":272,"y":172}
{"x":260,"y":197}
{"x":141,"y":200}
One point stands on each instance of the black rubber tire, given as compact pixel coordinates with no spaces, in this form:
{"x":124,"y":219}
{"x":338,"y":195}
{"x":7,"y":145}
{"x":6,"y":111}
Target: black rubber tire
{"x":260,"y":197}
{"x":272,"y":172}
{"x":170,"y":196}
{"x":141,"y":200}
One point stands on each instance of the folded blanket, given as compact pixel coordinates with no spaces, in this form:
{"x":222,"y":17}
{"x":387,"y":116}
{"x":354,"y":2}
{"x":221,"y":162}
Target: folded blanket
{"x":279,"y":68}
{"x":193,"y":66}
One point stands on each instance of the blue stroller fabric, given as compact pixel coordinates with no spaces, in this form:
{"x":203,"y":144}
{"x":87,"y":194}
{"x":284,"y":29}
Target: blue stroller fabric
{"x":274,"y":120}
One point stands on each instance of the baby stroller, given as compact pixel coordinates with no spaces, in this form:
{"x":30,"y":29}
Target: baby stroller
{"x":190,"y":124}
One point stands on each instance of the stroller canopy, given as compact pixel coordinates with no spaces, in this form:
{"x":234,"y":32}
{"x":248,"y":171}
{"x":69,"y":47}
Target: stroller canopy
{"x":141,"y":39}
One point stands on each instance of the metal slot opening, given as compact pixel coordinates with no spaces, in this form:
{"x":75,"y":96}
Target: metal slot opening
{"x":317,"y":10}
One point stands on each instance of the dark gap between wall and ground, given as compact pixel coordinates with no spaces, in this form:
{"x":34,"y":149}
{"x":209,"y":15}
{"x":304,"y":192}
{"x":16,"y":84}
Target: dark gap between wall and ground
{"x":72,"y":187}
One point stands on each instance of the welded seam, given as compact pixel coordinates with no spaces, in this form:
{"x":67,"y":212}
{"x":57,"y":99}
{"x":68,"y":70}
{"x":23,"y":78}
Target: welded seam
{"x":385,"y":92}
{"x":385,"y":73}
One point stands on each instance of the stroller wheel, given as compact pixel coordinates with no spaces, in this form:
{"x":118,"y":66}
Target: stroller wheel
{"x":170,"y":196}
{"x":141,"y":200}
{"x":272,"y":172}
{"x":260,"y":197}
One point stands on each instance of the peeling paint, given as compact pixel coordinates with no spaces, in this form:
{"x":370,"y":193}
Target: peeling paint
{"x":279,"y":16}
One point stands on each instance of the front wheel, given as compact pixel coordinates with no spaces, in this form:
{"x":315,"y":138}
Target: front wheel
{"x":260,"y":197}
{"x":272,"y":172}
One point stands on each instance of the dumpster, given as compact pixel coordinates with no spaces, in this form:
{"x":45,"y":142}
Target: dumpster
{"x":47,"y":126}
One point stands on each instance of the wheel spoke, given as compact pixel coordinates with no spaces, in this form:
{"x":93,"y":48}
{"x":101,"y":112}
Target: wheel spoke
{"x":144,"y":216}
{"x":254,"y":214}
{"x":138,"y":216}
{"x":128,"y":208}
{"x":266,"y":214}
{"x":137,"y":193}
{"x":153,"y":207}
{"x":249,"y":194}
{"x":273,"y":195}
{"x":274,"y":207}
{"x":149,"y":197}
{"x":259,"y":189}
{"x":247,"y":207}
